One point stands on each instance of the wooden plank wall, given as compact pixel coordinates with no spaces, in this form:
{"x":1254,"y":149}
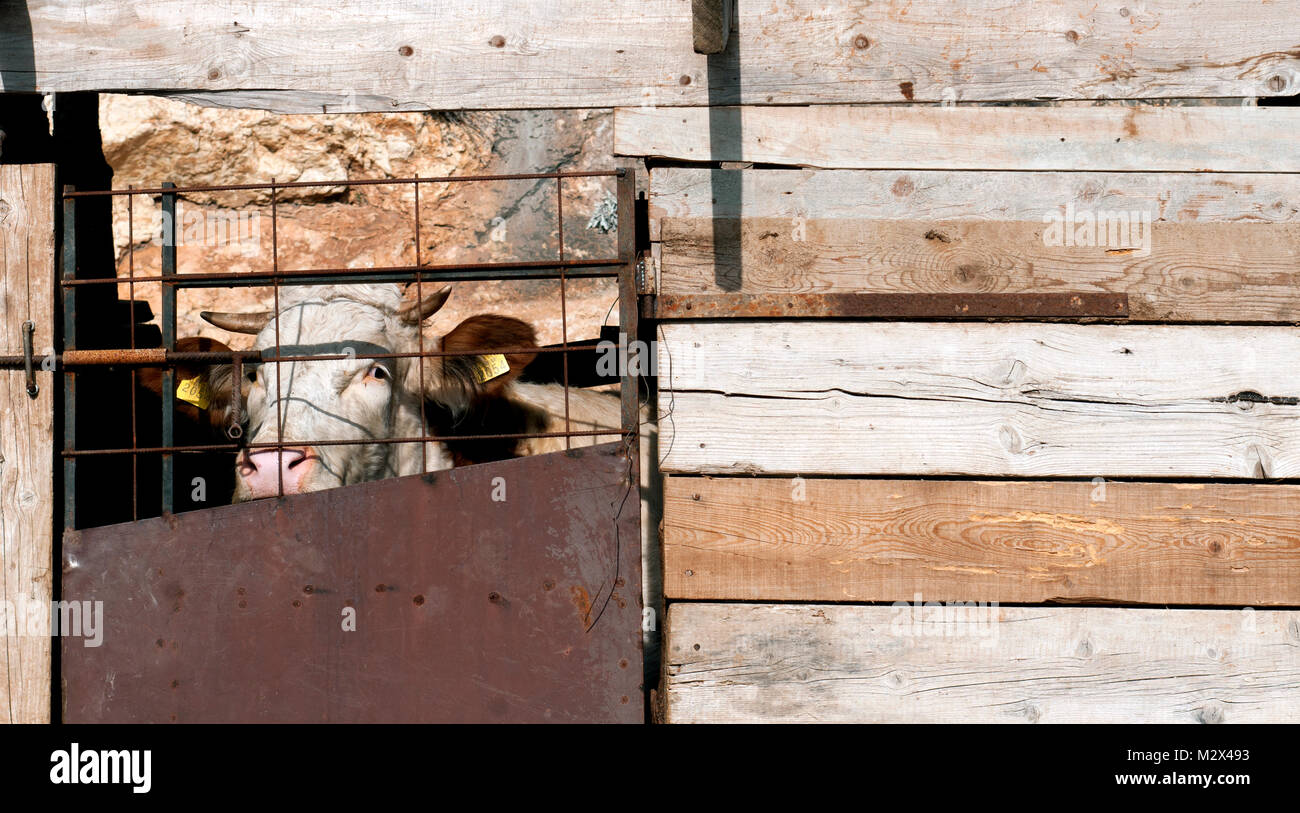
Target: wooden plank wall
{"x":853,"y":663}
{"x":323,"y":56}
{"x":1128,"y":138}
{"x":1151,"y":461}
{"x":1008,"y":399}
{"x":1223,"y":246}
{"x":26,"y":441}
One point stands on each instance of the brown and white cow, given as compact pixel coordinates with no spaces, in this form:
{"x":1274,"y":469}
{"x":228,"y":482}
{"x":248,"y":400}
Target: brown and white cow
{"x":358,"y":399}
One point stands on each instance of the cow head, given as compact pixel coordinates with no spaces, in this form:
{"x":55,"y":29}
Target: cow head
{"x":318,"y":402}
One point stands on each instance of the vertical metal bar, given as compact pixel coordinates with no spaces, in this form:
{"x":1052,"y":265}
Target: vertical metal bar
{"x":275,"y":288}
{"x":419,"y":330}
{"x":130,"y":329}
{"x":564,"y":308}
{"x":69,"y":342}
{"x":169,"y":343}
{"x":628,"y":312}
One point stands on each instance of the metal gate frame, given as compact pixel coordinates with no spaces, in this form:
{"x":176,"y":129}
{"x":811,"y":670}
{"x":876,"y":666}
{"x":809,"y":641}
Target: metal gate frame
{"x":131,"y":561}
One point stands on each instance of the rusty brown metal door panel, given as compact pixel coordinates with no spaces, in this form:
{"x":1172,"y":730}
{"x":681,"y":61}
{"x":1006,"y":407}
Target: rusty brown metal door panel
{"x":467,"y":609}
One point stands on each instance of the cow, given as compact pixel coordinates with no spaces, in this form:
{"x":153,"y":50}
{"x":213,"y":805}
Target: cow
{"x":312,"y":405}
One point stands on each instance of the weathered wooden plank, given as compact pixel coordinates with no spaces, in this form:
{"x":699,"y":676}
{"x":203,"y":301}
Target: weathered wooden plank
{"x":1231,"y":272}
{"x":776,"y":539}
{"x":26,"y":443}
{"x":1103,"y":138}
{"x":684,"y":193}
{"x":1221,"y":246}
{"x":402,"y":54}
{"x":845,"y":663}
{"x":1019,"y":399}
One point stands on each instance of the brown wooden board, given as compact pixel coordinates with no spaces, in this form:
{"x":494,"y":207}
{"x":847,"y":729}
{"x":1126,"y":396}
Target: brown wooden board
{"x":785,"y":539}
{"x":26,"y":441}
{"x":466,"y":608}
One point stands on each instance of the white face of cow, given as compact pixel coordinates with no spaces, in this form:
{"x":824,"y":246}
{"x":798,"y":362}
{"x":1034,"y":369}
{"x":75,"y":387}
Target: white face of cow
{"x":349,"y":399}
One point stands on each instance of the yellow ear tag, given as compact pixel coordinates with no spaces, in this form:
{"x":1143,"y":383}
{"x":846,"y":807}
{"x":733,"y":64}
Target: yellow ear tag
{"x":487,"y":368}
{"x":195,"y":391}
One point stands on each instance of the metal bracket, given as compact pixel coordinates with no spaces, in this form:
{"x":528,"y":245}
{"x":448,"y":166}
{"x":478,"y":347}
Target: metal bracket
{"x":29,"y":330}
{"x":647,"y":271}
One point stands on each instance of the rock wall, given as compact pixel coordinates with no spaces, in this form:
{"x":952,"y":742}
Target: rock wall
{"x":149,"y":140}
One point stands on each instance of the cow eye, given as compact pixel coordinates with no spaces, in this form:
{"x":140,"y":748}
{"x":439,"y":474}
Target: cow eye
{"x":377,"y":372}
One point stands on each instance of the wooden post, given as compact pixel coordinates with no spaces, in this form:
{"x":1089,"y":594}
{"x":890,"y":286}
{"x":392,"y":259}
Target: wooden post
{"x":26,"y":441}
{"x":710,"y":24}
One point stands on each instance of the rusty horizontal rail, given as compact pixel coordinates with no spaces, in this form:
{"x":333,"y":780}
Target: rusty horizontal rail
{"x":239,"y":187}
{"x":234,"y":447}
{"x":157,"y":357}
{"x":453,"y":272}
{"x":891,"y":306}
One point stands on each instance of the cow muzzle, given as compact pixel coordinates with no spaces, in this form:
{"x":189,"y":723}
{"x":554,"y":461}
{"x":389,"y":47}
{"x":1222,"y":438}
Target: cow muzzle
{"x":261,"y":472}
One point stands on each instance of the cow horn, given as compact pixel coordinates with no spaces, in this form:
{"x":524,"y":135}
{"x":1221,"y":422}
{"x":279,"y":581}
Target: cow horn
{"x":238,"y":322}
{"x":417,"y":311}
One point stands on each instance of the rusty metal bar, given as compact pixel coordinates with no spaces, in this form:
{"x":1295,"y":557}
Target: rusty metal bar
{"x":419,"y":328}
{"x":229,"y":447}
{"x":275,"y":315}
{"x":527,"y":176}
{"x":451,"y":272}
{"x":130,"y":286}
{"x":168,"y":321}
{"x":158,"y":357}
{"x":69,"y":344}
{"x":235,"y":429}
{"x":29,"y":362}
{"x":628,"y":312}
{"x":891,"y":306}
{"x":564,"y":305}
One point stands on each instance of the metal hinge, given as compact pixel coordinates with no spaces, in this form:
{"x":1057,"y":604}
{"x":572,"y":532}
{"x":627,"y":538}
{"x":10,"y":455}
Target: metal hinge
{"x":647,"y":271}
{"x":29,"y":364}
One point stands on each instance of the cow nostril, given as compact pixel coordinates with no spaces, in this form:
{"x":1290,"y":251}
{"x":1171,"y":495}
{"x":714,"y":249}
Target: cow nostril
{"x":303,"y":459}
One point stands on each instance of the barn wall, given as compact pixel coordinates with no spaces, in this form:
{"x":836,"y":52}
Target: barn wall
{"x":1144,"y":455}
{"x":26,"y":442}
{"x":406,"y":55}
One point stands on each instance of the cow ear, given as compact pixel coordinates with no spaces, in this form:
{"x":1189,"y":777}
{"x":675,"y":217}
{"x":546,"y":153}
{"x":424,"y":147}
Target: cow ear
{"x":485,"y":335}
{"x":417,"y":310}
{"x":218,"y":379}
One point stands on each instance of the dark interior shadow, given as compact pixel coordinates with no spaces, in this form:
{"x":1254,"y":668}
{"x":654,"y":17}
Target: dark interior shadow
{"x":17,"y":50}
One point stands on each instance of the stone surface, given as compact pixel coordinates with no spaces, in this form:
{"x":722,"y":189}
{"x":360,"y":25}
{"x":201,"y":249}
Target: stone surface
{"x":149,"y":140}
